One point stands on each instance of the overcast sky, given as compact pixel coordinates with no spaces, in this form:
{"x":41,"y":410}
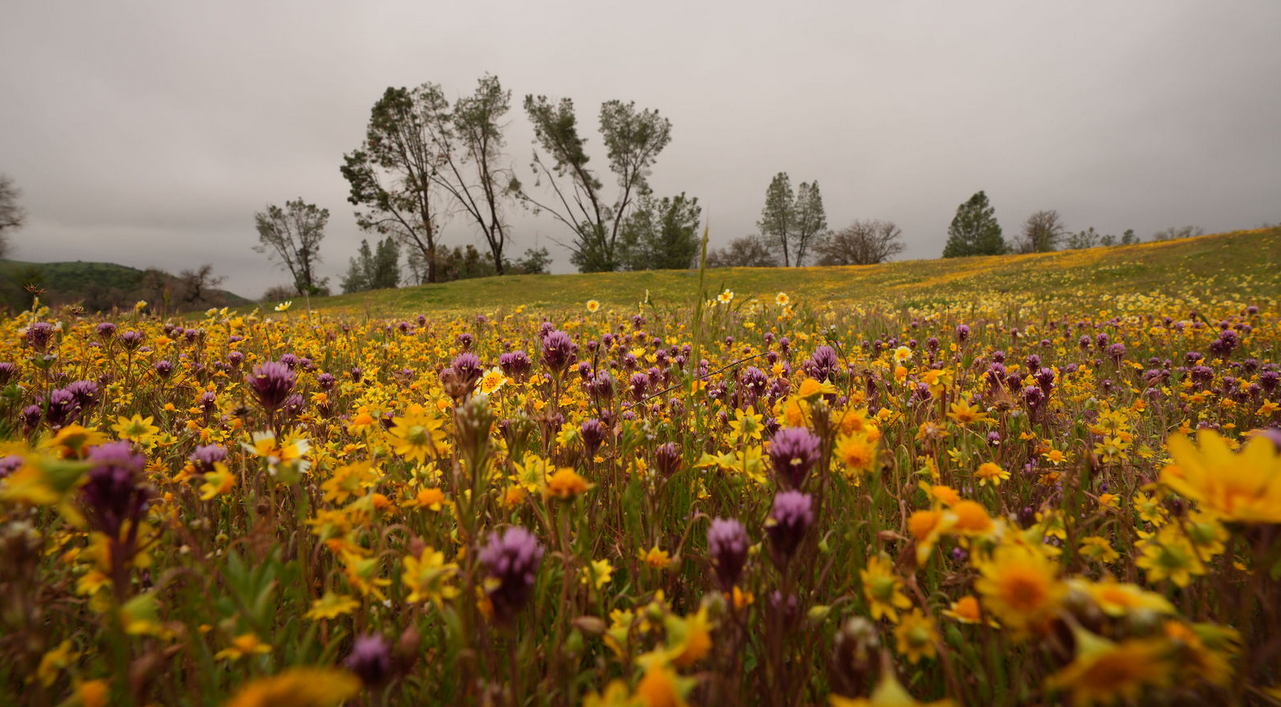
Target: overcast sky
{"x":150,"y":133}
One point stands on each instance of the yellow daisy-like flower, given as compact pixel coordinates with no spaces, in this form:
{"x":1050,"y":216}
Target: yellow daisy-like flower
{"x":992,"y":472}
{"x":916,"y":637}
{"x":416,"y":434}
{"x":658,"y":559}
{"x":725,"y":297}
{"x":137,"y":429}
{"x":1117,"y":599}
{"x":1020,"y":586}
{"x":565,"y":484}
{"x":965,"y":414}
{"x":592,"y":305}
{"x":241,"y":646}
{"x":597,"y":574}
{"x":888,"y":693}
{"x":883,"y":589}
{"x":1104,"y":672}
{"x":967,"y":610}
{"x":857,"y":453}
{"x":427,"y":577}
{"x":1244,"y":486}
{"x":1169,"y":555}
{"x":492,"y":381}
{"x":299,"y":687}
{"x":331,"y":606}
{"x":781,"y":299}
{"x":1098,"y":549}
{"x":660,"y":687}
{"x":433,"y":499}
{"x":218,"y":482}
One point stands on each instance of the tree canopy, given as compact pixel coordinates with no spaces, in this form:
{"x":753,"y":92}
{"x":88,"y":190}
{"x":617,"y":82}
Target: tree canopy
{"x":974,"y":230}
{"x":292,"y":236}
{"x":633,"y":139}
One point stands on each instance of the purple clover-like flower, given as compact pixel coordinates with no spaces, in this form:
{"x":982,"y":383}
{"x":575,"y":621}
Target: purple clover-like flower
{"x":511,"y":561}
{"x":85,"y":392}
{"x":794,"y":451}
{"x":559,"y":351}
{"x":792,"y":515}
{"x":39,"y":335}
{"x":113,"y":493}
{"x":9,"y":464}
{"x":271,"y":384}
{"x":62,"y":408}
{"x":727,"y":544}
{"x":822,"y":363}
{"x":206,"y":456}
{"x":667,"y":458}
{"x":515,"y":365}
{"x":130,"y":339}
{"x":594,"y":433}
{"x":370,"y":660}
{"x":8,"y":372}
{"x":467,"y":367}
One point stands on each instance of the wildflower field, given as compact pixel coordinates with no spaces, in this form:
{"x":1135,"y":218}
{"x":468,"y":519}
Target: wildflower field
{"x":1052,"y":493}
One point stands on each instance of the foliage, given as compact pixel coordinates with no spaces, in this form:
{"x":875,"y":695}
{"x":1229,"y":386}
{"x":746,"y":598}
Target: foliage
{"x":394,"y":174}
{"x":862,"y":243}
{"x":12,"y":214}
{"x":102,"y":287}
{"x":661,"y":234}
{"x":811,"y":220}
{"x":957,"y":491}
{"x":292,"y":236}
{"x":633,"y":139}
{"x":536,"y":261}
{"x":1084,"y":239}
{"x":1042,"y":233}
{"x":974,"y":230}
{"x":1172,"y":233}
{"x":1147,"y":267}
{"x":746,"y":252}
{"x":793,"y":223}
{"x":371,"y":270}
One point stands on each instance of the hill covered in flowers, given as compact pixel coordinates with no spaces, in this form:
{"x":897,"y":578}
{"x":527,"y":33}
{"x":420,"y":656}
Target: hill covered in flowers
{"x":1017,"y":481}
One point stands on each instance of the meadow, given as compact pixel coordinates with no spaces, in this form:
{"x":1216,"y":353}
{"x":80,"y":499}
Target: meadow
{"x":1032,"y":480}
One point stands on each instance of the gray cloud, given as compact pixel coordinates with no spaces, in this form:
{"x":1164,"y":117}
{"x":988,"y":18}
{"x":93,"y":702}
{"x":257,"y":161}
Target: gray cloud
{"x":150,"y":133}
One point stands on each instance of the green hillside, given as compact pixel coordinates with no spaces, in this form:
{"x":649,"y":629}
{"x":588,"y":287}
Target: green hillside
{"x":1222,"y":264}
{"x":98,"y":286}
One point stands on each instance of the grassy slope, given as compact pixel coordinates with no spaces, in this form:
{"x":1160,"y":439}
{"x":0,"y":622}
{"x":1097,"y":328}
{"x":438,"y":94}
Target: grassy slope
{"x":69,"y":278}
{"x":1218,"y":262}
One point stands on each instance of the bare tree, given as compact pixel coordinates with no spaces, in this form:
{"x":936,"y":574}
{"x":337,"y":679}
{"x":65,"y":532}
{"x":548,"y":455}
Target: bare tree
{"x":746,"y":252}
{"x":633,"y":139}
{"x":1172,"y":233}
{"x":1042,"y":232}
{"x":11,"y":213}
{"x":862,"y":243}
{"x":199,"y":285}
{"x":293,"y":236}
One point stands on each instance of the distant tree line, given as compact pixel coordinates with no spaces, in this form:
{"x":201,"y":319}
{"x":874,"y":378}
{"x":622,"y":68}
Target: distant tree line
{"x":975,"y":231}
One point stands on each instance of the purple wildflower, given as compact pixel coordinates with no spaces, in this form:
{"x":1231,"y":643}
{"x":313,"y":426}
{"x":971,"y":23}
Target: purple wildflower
{"x":113,"y":494}
{"x":792,"y":515}
{"x":271,"y":384}
{"x":370,"y":660}
{"x":727,"y":544}
{"x":511,"y":561}
{"x":794,"y":451}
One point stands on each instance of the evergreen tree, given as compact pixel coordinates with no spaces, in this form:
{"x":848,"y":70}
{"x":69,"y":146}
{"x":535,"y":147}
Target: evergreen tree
{"x":974,"y":230}
{"x":778,"y":218}
{"x":661,"y":234}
